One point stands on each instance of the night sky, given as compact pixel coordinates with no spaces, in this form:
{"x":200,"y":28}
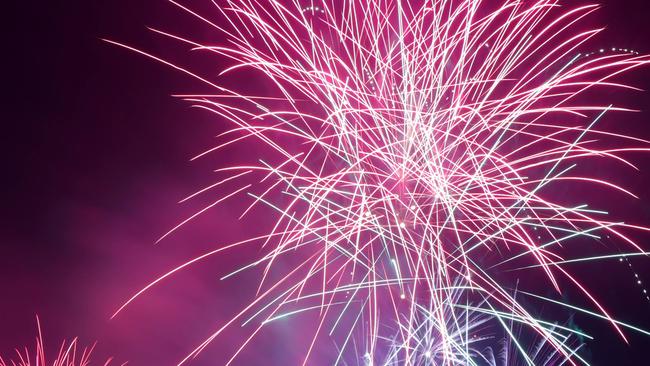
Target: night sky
{"x":96,"y":157}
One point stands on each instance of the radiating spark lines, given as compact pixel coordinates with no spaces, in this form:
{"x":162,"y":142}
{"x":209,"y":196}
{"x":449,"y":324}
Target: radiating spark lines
{"x":69,"y":354}
{"x":413,"y":152}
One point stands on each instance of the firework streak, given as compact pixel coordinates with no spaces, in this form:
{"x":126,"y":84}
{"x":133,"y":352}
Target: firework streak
{"x":413,"y":155}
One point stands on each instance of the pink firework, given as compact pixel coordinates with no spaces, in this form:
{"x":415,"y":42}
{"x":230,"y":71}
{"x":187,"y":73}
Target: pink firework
{"x":69,"y":354}
{"x":411,"y":155}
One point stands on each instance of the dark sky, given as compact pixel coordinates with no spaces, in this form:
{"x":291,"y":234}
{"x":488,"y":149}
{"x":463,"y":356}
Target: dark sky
{"x":96,"y":154}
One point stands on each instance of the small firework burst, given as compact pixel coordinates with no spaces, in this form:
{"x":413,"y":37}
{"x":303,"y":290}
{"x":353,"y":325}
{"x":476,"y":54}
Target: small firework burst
{"x":70,"y":353}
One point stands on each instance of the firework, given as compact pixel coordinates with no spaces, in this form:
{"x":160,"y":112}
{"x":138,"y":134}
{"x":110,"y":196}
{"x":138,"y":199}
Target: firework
{"x":69,"y":354}
{"x":413,"y":155}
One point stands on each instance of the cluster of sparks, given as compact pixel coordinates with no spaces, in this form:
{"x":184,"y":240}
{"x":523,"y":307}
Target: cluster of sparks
{"x":413,"y":154}
{"x":69,"y":354}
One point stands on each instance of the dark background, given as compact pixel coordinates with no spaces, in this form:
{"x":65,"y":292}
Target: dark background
{"x":95,"y":158}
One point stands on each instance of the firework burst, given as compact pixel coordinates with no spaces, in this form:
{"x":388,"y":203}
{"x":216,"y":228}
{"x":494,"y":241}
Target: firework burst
{"x":69,"y":354}
{"x":413,"y":155}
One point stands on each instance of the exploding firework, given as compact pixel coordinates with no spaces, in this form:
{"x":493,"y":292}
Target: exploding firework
{"x":69,"y":354}
{"x":414,"y":159}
